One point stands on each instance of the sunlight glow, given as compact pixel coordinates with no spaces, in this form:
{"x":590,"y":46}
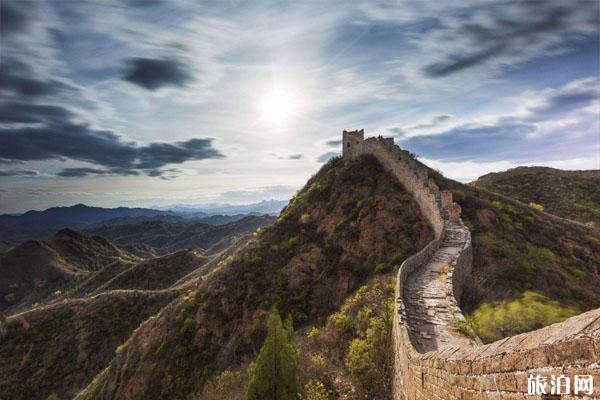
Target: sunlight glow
{"x":278,"y":105}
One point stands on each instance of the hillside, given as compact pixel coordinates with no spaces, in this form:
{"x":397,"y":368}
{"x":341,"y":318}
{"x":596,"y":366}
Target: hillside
{"x":568,"y":194}
{"x":156,"y":273}
{"x":529,"y":270}
{"x":166,"y":236}
{"x":328,"y":261}
{"x":58,"y":349}
{"x":349,"y":224}
{"x":57,"y":346}
{"x":35,"y":270}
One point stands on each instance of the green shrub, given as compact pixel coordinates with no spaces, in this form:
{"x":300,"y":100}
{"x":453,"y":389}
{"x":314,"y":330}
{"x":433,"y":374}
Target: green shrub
{"x":312,"y":333}
{"x":536,"y":206}
{"x":315,"y":390}
{"x":188,"y":327}
{"x":318,"y":360}
{"x":227,"y":380}
{"x":531,"y":310}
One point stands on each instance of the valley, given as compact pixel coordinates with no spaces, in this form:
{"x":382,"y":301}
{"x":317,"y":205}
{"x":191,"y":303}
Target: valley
{"x":201,"y":292}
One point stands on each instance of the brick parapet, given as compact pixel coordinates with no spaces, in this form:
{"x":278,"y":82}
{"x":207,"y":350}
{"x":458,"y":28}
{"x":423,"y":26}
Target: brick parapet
{"x":495,"y":371}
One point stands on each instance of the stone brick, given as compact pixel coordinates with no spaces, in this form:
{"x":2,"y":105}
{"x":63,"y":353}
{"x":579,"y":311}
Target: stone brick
{"x":458,"y":371}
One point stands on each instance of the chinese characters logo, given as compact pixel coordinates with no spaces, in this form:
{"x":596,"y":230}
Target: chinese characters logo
{"x":561,"y":384}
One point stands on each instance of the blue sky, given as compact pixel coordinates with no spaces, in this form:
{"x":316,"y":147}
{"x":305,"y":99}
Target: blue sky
{"x":156,"y":102}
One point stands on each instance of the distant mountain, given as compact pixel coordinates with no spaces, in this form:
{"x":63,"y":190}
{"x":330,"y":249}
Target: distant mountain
{"x":42,"y":224}
{"x":168,"y":236}
{"x":271,"y":207}
{"x":568,"y":194}
{"x":38,"y":225}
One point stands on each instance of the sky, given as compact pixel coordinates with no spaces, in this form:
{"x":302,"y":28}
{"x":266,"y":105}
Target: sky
{"x":157,"y":102}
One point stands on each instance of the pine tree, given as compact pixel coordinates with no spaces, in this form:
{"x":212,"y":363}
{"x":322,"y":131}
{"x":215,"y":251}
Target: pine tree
{"x":275,"y":376}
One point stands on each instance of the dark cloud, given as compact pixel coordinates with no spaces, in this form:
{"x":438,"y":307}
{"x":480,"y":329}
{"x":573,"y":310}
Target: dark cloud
{"x":566,"y":101}
{"x":18,"y":172}
{"x":144,"y":3}
{"x":156,"y":155}
{"x":79,"y":172}
{"x":508,"y":30}
{"x":334,"y":143}
{"x":154,"y":74}
{"x":13,"y":16}
{"x":459,"y":62}
{"x":30,"y":113}
{"x":18,"y":79}
{"x":57,"y":136}
{"x":441,"y":118}
{"x":325,"y":157}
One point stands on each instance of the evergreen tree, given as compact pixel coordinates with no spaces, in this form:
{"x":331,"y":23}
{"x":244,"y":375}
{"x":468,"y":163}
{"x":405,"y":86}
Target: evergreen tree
{"x":275,"y":376}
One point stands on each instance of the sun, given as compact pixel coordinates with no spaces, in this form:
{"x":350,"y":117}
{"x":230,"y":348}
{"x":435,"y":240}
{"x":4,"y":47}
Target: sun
{"x":278,"y":105}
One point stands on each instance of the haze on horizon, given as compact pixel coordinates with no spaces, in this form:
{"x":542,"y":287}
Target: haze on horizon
{"x":157,"y":102}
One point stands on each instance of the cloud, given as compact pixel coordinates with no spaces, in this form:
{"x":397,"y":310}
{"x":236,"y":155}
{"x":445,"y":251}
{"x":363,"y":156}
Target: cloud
{"x":144,"y":3}
{"x":549,"y":124}
{"x":55,"y":135}
{"x":257,"y":194}
{"x":18,"y":79}
{"x":13,"y":112}
{"x":325,"y":157}
{"x":334,"y":142}
{"x":290,"y":157}
{"x":435,"y":121}
{"x":458,"y":62}
{"x":153,"y":74}
{"x":13,"y":16}
{"x":18,"y":172}
{"x":502,"y":34}
{"x":81,"y":172}
{"x":573,"y":96}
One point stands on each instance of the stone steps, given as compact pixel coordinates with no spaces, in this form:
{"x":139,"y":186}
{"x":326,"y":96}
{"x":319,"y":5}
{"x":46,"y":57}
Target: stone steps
{"x":428,"y":315}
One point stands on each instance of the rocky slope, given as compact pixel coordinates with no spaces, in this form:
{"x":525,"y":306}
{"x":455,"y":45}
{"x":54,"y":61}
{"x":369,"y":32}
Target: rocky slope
{"x":568,"y":194}
{"x":327,"y":261}
{"x":58,"y":349}
{"x":351,"y":221}
{"x":35,"y":270}
{"x":169,"y":236}
{"x":524,"y":261}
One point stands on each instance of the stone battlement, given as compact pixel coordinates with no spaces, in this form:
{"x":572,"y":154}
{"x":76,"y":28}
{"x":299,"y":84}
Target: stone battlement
{"x":431,"y":359}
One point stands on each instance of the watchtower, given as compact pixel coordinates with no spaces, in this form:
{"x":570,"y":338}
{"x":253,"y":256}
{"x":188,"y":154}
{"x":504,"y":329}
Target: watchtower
{"x":353,"y":143}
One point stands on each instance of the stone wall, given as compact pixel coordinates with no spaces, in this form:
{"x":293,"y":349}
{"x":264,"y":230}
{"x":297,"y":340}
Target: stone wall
{"x":495,"y":371}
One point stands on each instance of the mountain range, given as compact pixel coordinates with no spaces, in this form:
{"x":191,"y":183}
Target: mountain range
{"x":33,"y":225}
{"x":169,"y":307}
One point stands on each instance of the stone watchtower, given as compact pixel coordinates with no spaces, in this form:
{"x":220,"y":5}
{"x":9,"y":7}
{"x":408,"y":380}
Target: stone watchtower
{"x":353,"y":143}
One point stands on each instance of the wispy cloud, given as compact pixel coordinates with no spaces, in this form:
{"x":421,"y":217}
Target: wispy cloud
{"x":127,"y":91}
{"x":547,"y":125}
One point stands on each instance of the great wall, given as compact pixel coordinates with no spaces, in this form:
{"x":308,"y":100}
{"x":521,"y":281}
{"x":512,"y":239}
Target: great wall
{"x":432,"y":358}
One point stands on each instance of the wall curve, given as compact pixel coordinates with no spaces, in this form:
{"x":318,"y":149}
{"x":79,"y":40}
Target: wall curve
{"x":495,"y":371}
